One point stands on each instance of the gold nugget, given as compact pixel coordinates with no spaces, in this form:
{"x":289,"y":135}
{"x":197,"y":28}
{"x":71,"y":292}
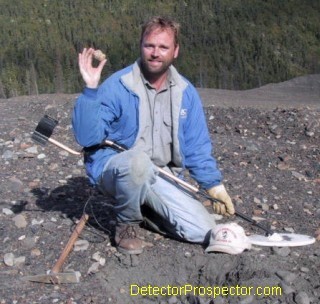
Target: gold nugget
{"x":99,"y":55}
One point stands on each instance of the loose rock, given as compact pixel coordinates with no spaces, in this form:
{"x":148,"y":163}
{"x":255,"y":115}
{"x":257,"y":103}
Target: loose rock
{"x":20,"y":221}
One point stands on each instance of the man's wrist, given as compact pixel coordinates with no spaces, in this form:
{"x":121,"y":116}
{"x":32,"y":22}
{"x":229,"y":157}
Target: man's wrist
{"x":92,"y":85}
{"x":216,"y":189}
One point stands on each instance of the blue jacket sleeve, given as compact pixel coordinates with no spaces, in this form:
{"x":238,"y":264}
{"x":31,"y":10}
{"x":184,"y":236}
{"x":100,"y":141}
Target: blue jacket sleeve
{"x":85,"y":118}
{"x":93,"y":113}
{"x":198,"y":152}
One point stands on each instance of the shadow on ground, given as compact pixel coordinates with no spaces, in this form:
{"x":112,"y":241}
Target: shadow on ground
{"x":75,"y":198}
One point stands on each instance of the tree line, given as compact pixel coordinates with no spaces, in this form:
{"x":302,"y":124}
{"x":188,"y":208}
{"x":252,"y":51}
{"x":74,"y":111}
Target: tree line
{"x":227,"y":44}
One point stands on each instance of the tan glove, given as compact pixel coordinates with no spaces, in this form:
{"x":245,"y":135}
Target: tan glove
{"x":220,"y":193}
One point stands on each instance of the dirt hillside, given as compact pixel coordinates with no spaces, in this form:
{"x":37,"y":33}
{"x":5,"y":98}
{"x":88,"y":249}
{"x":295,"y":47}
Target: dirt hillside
{"x":267,"y":142}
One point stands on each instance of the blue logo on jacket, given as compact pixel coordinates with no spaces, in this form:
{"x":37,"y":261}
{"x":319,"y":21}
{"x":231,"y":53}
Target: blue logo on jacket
{"x":183,"y":113}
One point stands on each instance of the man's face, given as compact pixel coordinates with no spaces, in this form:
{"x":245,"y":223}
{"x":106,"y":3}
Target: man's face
{"x":158,"y":52}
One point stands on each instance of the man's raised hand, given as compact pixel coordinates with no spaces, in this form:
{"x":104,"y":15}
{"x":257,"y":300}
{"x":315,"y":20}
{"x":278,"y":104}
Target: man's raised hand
{"x":90,"y":74}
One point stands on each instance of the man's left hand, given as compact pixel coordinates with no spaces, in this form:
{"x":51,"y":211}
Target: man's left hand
{"x":225,"y":205}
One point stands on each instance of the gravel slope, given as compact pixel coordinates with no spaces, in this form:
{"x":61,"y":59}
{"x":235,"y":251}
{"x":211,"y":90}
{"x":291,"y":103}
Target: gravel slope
{"x":270,"y":157}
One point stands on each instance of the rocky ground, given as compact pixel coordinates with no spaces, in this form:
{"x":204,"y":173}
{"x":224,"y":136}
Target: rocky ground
{"x":270,"y":157}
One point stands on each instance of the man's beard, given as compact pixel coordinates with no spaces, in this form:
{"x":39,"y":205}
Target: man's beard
{"x":154,"y":72}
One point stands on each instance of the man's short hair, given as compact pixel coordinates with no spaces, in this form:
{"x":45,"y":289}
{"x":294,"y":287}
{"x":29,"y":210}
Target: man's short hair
{"x":163,"y":23}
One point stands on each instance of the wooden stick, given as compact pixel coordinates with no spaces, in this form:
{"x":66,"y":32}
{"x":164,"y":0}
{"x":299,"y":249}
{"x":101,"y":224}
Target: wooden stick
{"x":74,"y":236}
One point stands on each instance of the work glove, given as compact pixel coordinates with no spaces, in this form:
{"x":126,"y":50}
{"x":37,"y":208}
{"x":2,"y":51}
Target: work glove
{"x":225,"y":206}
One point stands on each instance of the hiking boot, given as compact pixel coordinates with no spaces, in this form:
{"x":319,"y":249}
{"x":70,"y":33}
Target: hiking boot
{"x":126,"y":239}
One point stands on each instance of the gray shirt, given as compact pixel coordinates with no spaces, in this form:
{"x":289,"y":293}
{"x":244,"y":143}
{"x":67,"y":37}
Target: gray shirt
{"x":155,"y":130}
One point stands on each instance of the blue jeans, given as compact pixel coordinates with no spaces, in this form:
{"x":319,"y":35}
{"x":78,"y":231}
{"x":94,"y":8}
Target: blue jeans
{"x":132,"y":179}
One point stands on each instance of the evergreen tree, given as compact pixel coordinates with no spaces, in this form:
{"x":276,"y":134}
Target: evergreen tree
{"x":228,"y":44}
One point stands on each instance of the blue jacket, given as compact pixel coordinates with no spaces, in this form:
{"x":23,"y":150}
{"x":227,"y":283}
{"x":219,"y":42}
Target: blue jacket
{"x":112,"y":112}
